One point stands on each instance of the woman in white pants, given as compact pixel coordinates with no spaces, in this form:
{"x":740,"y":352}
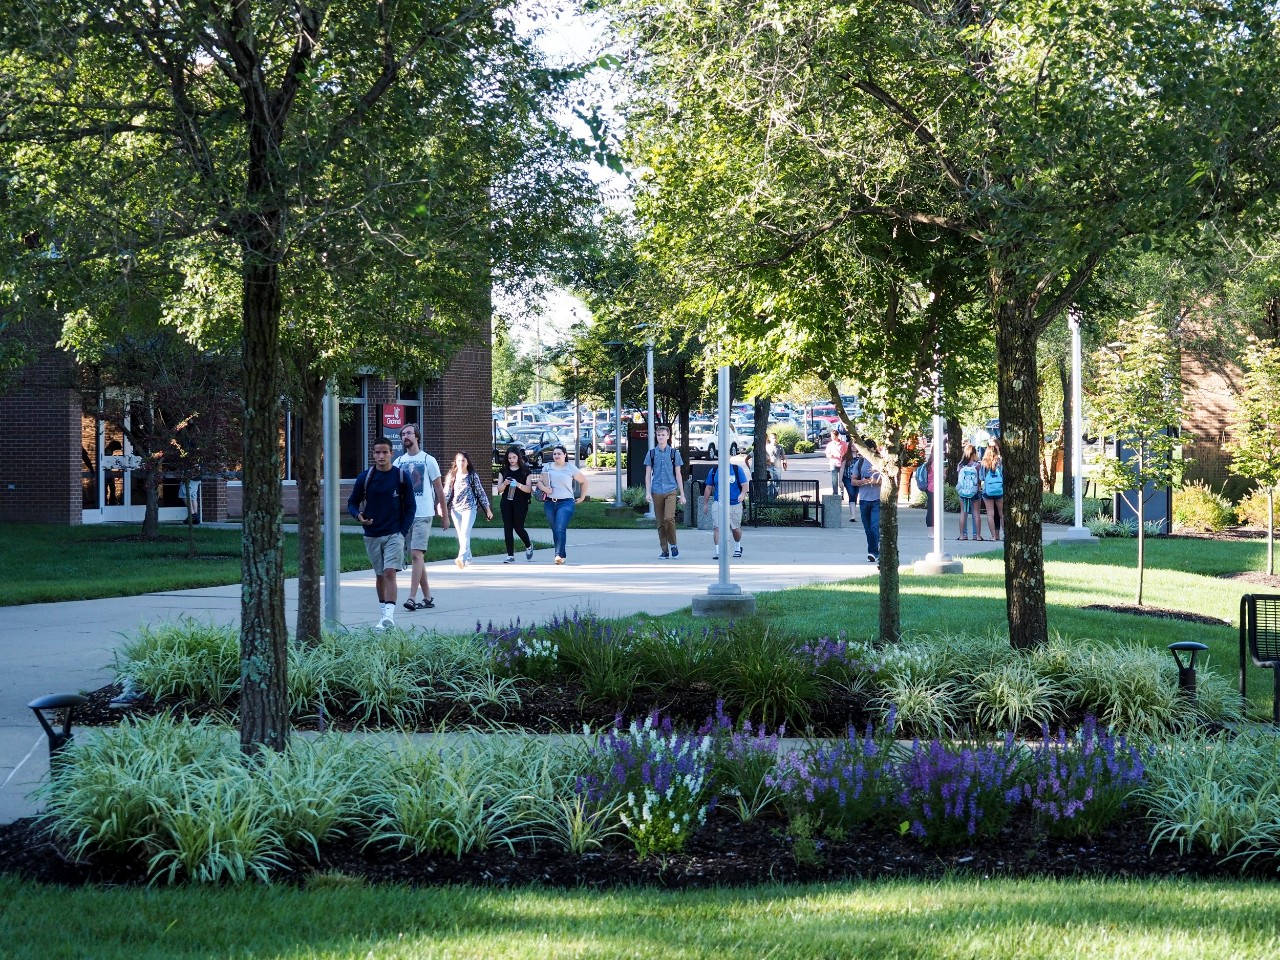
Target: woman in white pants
{"x":464,"y":497}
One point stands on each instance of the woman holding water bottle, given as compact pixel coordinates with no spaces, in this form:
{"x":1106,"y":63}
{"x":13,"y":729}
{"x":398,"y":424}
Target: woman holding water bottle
{"x":514,"y":487}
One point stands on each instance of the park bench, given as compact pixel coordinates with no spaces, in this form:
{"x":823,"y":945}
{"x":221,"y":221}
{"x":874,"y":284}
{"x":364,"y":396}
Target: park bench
{"x":1260,"y":642}
{"x":784,"y":503}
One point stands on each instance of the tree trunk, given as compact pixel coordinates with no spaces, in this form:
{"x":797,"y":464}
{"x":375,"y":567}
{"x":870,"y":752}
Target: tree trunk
{"x":151,"y":516}
{"x":264,"y":719}
{"x":1142,"y":529}
{"x":1271,"y":532}
{"x":759,"y":462}
{"x":1019,"y":402}
{"x":1068,"y":455}
{"x":890,"y":588}
{"x":953,"y":451}
{"x":308,"y":468}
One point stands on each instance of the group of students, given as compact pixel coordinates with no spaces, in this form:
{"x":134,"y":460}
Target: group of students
{"x":980,"y":486}
{"x":395,"y":502}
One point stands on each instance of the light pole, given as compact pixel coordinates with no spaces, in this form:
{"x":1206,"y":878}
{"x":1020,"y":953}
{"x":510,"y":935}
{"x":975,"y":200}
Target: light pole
{"x":1078,"y":533}
{"x":332,"y":508}
{"x":723,"y":599}
{"x":616,"y":347}
{"x":649,"y":514}
{"x":938,"y":561}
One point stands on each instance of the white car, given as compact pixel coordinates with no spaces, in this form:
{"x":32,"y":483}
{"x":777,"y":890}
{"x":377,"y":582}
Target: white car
{"x":704,"y":440}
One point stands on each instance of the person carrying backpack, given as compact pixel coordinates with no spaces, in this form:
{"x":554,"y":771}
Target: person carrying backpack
{"x":739,"y":484}
{"x":663,"y":486}
{"x":968,"y":481}
{"x":993,"y":489}
{"x":385,"y":504}
{"x":866,"y":479}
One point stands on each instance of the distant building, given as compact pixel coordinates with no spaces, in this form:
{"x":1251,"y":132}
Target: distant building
{"x":60,"y":465}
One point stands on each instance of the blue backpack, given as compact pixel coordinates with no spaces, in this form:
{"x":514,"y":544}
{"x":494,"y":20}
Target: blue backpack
{"x":967,"y":480}
{"x":993,"y":482}
{"x":922,"y":476}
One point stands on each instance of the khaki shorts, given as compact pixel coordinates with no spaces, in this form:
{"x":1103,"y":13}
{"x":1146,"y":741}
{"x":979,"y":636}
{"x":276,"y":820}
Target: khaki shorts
{"x":735,"y":515}
{"x":420,"y":534}
{"x":385,"y":553}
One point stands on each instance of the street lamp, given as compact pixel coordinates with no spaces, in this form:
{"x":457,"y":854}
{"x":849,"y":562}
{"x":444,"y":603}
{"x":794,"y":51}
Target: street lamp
{"x":937,"y":561}
{"x":615,"y":347}
{"x":1078,"y":532}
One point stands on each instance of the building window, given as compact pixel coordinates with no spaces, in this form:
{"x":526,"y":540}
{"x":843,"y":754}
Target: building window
{"x":352,"y":430}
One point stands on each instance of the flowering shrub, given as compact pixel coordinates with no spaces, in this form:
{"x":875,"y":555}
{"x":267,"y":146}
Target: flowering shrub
{"x":949,"y":794}
{"x":521,"y":651}
{"x":662,"y":777}
{"x":1081,"y":784}
{"x":744,"y":762}
{"x":843,"y":783}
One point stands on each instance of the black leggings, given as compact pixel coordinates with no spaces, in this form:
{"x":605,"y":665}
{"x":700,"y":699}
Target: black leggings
{"x":513,"y":514}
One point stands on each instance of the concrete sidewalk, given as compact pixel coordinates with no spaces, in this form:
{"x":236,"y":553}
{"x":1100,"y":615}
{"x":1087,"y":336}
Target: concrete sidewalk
{"x":67,"y":647}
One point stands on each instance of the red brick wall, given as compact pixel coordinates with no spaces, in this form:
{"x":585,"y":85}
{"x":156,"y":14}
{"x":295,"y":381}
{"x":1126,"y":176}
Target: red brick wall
{"x":457,"y":410}
{"x":1208,"y":399}
{"x":40,"y":436}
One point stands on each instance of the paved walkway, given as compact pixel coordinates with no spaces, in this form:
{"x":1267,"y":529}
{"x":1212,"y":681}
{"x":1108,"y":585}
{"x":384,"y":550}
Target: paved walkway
{"x":66,"y":647}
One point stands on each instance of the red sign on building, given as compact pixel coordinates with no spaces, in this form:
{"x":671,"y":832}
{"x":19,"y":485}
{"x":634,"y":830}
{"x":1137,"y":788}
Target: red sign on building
{"x":393,"y":415}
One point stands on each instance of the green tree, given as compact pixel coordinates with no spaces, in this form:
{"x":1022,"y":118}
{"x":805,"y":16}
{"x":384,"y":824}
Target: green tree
{"x":250,"y":139}
{"x":512,"y":372}
{"x":1256,"y":448}
{"x":1139,"y":401}
{"x":1043,"y":138}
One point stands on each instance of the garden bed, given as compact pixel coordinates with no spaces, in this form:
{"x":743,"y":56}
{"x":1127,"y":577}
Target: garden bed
{"x":725,"y":852}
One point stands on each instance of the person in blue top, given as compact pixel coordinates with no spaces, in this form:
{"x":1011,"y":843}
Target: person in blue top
{"x":865,"y":478}
{"x":384,"y":502}
{"x":739,"y":484}
{"x":663,"y":485}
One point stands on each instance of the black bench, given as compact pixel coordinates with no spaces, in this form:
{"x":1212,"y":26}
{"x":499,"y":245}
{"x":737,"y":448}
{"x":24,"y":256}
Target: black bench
{"x":1260,"y":641}
{"x":784,"y":503}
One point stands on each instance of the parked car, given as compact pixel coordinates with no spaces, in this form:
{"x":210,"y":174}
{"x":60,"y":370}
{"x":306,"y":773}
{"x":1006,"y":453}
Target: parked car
{"x":704,"y":440}
{"x":609,"y":442}
{"x":537,"y":443}
{"x":502,"y":439}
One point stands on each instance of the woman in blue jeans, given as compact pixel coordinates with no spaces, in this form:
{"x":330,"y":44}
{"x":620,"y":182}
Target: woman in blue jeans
{"x":556,"y":484}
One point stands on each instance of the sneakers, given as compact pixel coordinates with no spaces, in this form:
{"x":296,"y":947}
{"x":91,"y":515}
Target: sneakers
{"x":872,"y":558}
{"x":510,"y":558}
{"x":675,"y":551}
{"x":716,"y":555}
{"x":664,"y":556}
{"x":386,"y":623}
{"x":738,"y":552}
{"x":459,"y":562}
{"x":559,"y":560}
{"x":528,"y":553}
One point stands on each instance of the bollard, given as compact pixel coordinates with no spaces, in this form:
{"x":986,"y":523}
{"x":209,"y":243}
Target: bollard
{"x":66,"y":702}
{"x":1187,"y":671}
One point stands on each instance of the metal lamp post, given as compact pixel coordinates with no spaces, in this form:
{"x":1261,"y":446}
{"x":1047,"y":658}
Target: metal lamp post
{"x":649,"y":514}
{"x":1078,"y":533}
{"x":723,"y":599}
{"x":938,"y":560}
{"x":332,"y":509}
{"x":616,"y":347}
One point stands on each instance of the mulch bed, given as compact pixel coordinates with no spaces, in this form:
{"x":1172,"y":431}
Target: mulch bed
{"x":1261,"y":579}
{"x":725,"y":852}
{"x":542,"y":709}
{"x":1146,"y":610}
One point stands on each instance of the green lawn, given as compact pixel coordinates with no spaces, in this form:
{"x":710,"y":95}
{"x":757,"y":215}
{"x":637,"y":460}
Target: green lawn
{"x":1181,"y":575}
{"x":48,"y":562}
{"x":959,"y":918}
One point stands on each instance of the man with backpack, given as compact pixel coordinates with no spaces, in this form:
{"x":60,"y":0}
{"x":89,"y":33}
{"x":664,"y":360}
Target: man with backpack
{"x":739,"y":484}
{"x":663,"y":485}
{"x":385,"y":504}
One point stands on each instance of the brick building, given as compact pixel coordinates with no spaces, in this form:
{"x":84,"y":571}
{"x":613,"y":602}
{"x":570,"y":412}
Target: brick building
{"x":61,"y":465}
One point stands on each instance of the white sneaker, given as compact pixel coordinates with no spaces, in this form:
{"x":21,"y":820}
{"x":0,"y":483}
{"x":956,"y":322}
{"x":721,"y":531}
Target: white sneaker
{"x":528,"y":553}
{"x":738,"y":552}
{"x":386,"y":623}
{"x":716,"y":555}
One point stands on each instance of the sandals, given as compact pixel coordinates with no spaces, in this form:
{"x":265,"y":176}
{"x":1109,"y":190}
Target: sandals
{"x":424,"y":604}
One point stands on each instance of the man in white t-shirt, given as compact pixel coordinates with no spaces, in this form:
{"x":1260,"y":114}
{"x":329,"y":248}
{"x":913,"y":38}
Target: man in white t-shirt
{"x":424,"y":476}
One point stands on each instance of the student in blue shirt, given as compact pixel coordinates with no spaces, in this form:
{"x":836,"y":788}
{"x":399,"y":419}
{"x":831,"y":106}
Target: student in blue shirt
{"x":739,"y":483}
